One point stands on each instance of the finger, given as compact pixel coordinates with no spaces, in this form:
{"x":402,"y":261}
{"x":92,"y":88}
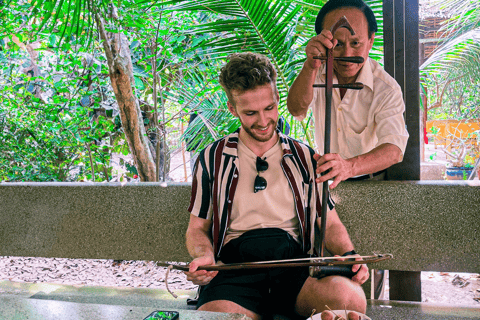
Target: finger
{"x":340,"y":258}
{"x":356,"y":267}
{"x":327,"y":34}
{"x":316,"y":157}
{"x":325,"y":167}
{"x":362,"y":274}
{"x":328,"y":176}
{"x":330,"y":156}
{"x":335,"y":182}
{"x":334,"y":43}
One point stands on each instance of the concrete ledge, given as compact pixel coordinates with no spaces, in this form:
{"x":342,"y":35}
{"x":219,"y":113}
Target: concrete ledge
{"x":53,"y":301}
{"x":429,"y":226}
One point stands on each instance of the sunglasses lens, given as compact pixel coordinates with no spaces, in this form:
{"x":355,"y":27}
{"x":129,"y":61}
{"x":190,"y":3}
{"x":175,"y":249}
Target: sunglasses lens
{"x":260,"y":184}
{"x":262,"y":165}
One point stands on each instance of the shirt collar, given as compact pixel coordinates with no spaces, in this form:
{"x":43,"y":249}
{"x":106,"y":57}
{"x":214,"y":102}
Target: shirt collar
{"x":366,"y":75}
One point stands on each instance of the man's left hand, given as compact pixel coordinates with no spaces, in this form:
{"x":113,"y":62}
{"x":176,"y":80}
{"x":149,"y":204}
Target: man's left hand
{"x":362,"y":274}
{"x":338,"y":168}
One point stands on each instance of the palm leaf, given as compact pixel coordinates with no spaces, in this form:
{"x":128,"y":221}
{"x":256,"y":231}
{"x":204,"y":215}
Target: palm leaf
{"x":456,"y":57}
{"x":465,"y":17}
{"x":459,"y":54}
{"x":267,"y":27}
{"x":69,"y":17}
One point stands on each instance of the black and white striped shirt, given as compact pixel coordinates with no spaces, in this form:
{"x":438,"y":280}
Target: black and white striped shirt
{"x":215,"y":179}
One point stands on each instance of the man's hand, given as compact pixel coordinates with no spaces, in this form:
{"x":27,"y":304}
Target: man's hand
{"x":317,"y":46}
{"x":362,"y":274}
{"x":201,"y":277}
{"x":339,"y":169}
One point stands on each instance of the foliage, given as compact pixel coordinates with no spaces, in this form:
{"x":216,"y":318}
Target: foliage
{"x":57,"y":113}
{"x":177,"y":49}
{"x":455,"y":64}
{"x":278,"y":29}
{"x":53,"y":122}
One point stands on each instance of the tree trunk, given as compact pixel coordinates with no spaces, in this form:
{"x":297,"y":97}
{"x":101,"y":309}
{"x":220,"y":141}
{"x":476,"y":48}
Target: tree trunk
{"x":120,"y":69}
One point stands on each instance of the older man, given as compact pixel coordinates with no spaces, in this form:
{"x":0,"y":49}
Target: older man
{"x":368,"y":131}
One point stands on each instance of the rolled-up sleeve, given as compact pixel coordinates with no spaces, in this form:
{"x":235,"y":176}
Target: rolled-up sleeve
{"x":390,"y":121}
{"x":200,"y":200}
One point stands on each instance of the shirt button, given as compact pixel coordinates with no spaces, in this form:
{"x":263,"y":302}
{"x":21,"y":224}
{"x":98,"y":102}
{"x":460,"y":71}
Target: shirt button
{"x":338,"y":129}
{"x":229,"y":201}
{"x":340,"y":109}
{"x":235,"y":175}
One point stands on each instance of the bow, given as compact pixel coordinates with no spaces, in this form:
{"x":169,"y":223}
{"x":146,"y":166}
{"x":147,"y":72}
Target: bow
{"x":288,"y":263}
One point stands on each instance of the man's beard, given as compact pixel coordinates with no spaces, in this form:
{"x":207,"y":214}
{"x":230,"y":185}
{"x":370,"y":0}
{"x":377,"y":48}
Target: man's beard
{"x":252,"y":134}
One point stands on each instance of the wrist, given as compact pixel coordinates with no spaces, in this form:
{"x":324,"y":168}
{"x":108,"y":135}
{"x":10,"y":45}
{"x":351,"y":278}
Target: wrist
{"x":349,"y":253}
{"x":310,"y":69}
{"x":352,"y":167}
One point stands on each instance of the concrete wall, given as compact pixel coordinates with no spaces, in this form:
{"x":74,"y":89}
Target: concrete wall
{"x":142,"y":221}
{"x":429,"y":226}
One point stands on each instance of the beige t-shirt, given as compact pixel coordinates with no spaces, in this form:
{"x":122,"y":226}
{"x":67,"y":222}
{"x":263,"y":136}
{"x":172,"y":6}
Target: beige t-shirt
{"x":363,"y":119}
{"x":270,"y":208}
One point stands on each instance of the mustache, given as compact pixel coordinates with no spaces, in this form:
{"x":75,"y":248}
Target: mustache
{"x":255,"y":126}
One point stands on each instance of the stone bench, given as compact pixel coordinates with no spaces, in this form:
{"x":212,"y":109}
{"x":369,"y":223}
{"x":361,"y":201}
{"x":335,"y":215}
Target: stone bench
{"x":427,"y":226}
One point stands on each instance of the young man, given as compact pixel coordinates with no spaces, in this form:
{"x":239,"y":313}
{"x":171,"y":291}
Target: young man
{"x":368,"y":131}
{"x":254,"y":197}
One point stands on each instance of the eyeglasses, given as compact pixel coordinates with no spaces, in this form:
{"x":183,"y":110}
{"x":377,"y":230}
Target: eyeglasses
{"x":260,"y":182}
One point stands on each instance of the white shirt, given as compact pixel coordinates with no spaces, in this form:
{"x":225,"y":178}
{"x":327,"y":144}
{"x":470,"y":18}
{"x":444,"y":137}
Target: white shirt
{"x":365,"y":118}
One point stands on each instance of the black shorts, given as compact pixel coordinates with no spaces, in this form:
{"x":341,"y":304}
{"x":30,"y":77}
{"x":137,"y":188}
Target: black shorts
{"x":263,"y":291}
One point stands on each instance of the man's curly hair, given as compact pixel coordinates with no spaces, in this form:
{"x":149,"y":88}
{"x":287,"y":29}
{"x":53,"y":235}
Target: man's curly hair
{"x":245,"y":71}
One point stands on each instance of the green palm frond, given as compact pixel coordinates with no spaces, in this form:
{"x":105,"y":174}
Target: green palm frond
{"x":465,"y":16}
{"x":268,"y":27}
{"x":456,"y":57}
{"x":279,"y":29}
{"x":202,"y":96}
{"x":459,"y":53}
{"x":243,"y":25}
{"x":69,"y":17}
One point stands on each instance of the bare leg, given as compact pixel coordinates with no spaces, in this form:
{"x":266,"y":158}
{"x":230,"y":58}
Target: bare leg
{"x":228,"y":306}
{"x":337,"y":292}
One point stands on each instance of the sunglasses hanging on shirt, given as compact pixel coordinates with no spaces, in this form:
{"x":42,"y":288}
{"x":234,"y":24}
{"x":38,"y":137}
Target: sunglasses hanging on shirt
{"x":260,"y":182}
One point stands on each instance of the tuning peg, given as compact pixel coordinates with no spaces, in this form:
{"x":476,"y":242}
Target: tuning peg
{"x":354,"y":86}
{"x":346,"y":59}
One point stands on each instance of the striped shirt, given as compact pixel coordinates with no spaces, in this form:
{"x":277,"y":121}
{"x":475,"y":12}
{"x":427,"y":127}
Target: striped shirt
{"x":215,"y":179}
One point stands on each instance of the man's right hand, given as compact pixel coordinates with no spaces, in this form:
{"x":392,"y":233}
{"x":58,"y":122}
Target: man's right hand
{"x":317,"y":46}
{"x":201,"y":277}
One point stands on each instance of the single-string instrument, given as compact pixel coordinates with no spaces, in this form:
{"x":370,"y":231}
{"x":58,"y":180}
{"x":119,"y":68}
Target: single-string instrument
{"x":341,"y":23}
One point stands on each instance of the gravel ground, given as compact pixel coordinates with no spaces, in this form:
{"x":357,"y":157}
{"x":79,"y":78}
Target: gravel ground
{"x":437,"y":287}
{"x":89,"y":272}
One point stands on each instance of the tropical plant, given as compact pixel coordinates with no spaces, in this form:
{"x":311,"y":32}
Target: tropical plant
{"x":451,"y":75}
{"x":146,"y":29}
{"x":278,"y":29}
{"x":54,"y":108}
{"x":180,"y":59}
